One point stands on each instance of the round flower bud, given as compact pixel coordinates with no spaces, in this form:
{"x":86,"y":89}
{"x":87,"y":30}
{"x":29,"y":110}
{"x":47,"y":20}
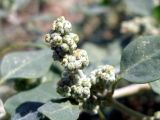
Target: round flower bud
{"x":78,"y":64}
{"x":56,"y":39}
{"x":59,"y":27}
{"x":65,"y":47}
{"x":67,"y":26}
{"x":71,"y":66}
{"x":104,"y":73}
{"x":68,"y":39}
{"x":86,"y":92}
{"x":71,"y":58}
{"x":77,"y":91}
{"x":79,"y":53}
{"x":86,"y":83}
{"x":65,"y":62}
{"x":47,"y":38}
{"x":58,"y":24}
{"x":82,"y":56}
{"x":62,"y":26}
{"x":74,"y":37}
{"x":73,"y":47}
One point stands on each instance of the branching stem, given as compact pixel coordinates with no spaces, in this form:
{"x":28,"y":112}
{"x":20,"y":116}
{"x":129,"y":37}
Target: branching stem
{"x":130,"y":90}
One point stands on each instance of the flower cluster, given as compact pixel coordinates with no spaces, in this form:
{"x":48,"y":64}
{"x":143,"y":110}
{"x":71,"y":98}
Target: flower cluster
{"x":74,"y":84}
{"x":78,"y":60}
{"x":60,"y":38}
{"x":64,"y":46}
{"x":104,"y":73}
{"x":139,"y":25}
{"x":102,"y":80}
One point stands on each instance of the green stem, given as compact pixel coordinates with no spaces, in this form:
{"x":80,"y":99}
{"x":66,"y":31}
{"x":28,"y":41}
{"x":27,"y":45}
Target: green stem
{"x":101,"y":115}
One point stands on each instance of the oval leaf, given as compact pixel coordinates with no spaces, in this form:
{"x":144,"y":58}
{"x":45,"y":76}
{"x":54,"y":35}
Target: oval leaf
{"x":32,"y":64}
{"x":41,"y":94}
{"x":60,"y":111}
{"x":155,"y":86}
{"x":141,"y":60}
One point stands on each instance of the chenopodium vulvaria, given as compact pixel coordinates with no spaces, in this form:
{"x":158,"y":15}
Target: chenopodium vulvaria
{"x":74,"y":84}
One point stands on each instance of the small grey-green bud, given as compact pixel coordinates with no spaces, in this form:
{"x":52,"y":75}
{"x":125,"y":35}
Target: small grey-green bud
{"x":47,"y":38}
{"x":74,"y":37}
{"x":65,"y":47}
{"x":56,"y":39}
{"x":86,"y":92}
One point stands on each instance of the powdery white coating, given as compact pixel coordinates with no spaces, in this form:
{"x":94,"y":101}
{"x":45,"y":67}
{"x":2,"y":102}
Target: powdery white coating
{"x":74,"y":86}
{"x":61,"y":25}
{"x":73,"y":82}
{"x":146,"y":24}
{"x":78,"y":60}
{"x":105,"y":73}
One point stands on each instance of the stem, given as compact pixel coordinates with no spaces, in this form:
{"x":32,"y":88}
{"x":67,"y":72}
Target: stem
{"x":101,"y":115}
{"x":128,"y":111}
{"x":130,"y":90}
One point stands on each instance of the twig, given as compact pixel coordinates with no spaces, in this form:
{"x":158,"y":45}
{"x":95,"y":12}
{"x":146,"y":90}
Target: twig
{"x":130,"y":90}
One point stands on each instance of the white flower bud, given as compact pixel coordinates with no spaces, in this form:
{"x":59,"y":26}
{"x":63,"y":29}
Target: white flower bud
{"x":86,"y":82}
{"x":47,"y":38}
{"x":71,"y":66}
{"x":105,"y":73}
{"x":86,"y":92}
{"x":78,"y":91}
{"x":65,"y":47}
{"x":74,"y":37}
{"x":78,"y":64}
{"x":73,"y":46}
{"x":56,"y":39}
{"x":68,"y":39}
{"x":67,"y":26}
{"x":65,"y":61}
{"x":62,"y":26}
{"x":71,"y":58}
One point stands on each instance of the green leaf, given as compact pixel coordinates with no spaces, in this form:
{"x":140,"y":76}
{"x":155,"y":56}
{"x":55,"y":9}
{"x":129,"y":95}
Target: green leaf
{"x":60,"y":111}
{"x":29,"y":65}
{"x":141,"y":7}
{"x":141,"y":60}
{"x":42,"y":93}
{"x":29,"y":116}
{"x":155,"y":86}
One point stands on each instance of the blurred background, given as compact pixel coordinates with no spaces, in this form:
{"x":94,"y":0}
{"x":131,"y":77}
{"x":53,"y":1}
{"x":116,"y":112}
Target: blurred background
{"x":105,"y":27}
